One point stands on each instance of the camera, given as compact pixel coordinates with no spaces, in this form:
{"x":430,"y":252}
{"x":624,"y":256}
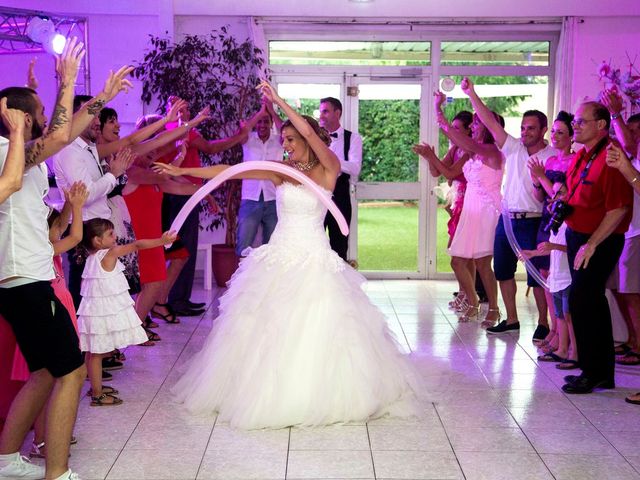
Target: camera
{"x":559,"y":210}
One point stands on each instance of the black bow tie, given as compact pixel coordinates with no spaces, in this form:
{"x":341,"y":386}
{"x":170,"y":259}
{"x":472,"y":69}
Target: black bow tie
{"x":334,"y":135}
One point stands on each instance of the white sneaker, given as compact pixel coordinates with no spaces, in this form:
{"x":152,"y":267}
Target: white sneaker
{"x":20,"y":468}
{"x":68,"y":475}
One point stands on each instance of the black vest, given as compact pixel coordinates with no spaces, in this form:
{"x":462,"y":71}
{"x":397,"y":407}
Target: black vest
{"x":342,"y":183}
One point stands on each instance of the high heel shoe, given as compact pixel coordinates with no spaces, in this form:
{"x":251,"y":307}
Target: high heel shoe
{"x":472,"y":313}
{"x":486,"y":323}
{"x":457,"y":302}
{"x":462,"y":307}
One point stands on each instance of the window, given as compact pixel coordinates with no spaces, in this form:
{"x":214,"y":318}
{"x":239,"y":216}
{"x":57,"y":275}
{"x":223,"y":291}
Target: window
{"x":349,"y":53}
{"x":495,"y":53}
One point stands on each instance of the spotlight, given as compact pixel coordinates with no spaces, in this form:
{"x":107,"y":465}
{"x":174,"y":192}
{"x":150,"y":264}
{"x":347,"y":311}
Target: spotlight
{"x":41,"y":30}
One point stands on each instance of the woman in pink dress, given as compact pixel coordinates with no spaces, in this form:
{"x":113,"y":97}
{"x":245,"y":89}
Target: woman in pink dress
{"x":473,"y":240}
{"x":451,"y":167}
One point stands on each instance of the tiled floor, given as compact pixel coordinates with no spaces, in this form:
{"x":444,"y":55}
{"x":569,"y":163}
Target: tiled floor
{"x":490,"y":412}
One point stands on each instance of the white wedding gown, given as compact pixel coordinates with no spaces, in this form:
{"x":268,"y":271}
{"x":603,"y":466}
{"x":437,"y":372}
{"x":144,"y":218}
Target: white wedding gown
{"x":297,"y":341}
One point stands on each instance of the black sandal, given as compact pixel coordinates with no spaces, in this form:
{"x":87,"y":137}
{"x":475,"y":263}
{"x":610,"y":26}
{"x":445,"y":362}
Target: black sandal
{"x":170,"y":317}
{"x":149,"y":323}
{"x":151,"y":335}
{"x":100,"y":401}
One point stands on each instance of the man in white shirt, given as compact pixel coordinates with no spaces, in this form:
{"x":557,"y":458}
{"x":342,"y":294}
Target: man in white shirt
{"x":41,"y":324}
{"x":258,"y":205}
{"x":348,"y":148}
{"x":524,"y":209}
{"x":80,"y":162}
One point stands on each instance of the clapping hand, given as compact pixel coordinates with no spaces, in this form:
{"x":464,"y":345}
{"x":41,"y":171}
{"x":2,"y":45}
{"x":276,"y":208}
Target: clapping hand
{"x":77,"y":195}
{"x":68,"y":62}
{"x":122,"y":161}
{"x":536,"y":168}
{"x":612,"y":100}
{"x":117,"y":82}
{"x":12,"y":118}
{"x":424,"y":150}
{"x":616,"y":157}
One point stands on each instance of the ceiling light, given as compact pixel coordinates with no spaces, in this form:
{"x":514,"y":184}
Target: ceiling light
{"x":42,"y":30}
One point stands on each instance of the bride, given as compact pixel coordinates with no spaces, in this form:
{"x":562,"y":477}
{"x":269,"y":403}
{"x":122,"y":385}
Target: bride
{"x":297,"y":341}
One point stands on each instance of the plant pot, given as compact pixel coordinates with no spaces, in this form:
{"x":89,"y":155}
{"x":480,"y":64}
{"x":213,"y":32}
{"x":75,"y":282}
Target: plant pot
{"x":224,"y":263}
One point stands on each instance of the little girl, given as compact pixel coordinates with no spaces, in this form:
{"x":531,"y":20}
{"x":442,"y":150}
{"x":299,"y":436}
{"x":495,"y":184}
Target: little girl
{"x":106,"y":318}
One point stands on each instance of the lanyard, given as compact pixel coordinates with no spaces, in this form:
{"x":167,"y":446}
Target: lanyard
{"x":583,"y":175}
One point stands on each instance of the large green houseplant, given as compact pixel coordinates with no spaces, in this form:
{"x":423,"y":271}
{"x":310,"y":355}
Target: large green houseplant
{"x":215,"y":70}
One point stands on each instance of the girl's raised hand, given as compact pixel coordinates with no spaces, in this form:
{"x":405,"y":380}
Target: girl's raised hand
{"x":77,"y":195}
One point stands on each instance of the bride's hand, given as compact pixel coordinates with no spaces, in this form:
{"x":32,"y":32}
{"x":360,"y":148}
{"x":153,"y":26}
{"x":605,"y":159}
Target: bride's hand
{"x":269,"y":92}
{"x":164,"y":168}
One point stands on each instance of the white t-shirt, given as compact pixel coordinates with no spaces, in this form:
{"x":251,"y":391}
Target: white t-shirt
{"x":79,"y":162}
{"x":255,"y":149}
{"x":559,"y":273}
{"x":353,"y":166}
{"x":517,"y":187}
{"x":634,"y":226}
{"x":25,"y":250}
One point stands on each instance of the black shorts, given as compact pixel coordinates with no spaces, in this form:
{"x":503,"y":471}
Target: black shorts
{"x":42,"y":326}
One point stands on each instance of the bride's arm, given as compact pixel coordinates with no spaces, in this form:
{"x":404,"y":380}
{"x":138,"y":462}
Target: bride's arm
{"x":214,"y":170}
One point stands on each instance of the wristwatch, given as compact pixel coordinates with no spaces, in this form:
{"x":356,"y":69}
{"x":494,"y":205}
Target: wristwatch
{"x":615,"y":116}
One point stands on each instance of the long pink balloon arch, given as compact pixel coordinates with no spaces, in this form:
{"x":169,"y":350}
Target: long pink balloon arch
{"x":215,"y":182}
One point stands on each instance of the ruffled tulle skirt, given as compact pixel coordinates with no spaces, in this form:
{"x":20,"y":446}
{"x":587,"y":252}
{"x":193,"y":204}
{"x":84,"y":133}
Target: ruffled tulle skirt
{"x":297,"y":342}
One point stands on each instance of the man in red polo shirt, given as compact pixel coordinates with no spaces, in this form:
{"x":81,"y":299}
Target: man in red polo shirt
{"x":601,"y":200}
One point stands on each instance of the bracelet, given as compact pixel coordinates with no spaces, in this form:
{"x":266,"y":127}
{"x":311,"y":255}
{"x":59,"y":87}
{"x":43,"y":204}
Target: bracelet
{"x":615,"y":116}
{"x":634,"y":180}
{"x":186,"y":125}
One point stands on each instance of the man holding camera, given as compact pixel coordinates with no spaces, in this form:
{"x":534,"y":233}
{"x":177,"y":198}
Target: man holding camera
{"x":525,"y":210}
{"x":600,"y":201}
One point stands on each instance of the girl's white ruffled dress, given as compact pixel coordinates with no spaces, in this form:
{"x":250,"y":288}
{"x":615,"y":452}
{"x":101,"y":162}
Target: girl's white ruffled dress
{"x":106,"y":317}
{"x":297,"y":341}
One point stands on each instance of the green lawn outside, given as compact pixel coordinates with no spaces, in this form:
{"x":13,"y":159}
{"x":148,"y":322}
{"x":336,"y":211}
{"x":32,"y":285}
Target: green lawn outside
{"x":388,"y":238}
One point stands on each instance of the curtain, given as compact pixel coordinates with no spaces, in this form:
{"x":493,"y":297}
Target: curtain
{"x":564,"y":65}
{"x":256,"y":33}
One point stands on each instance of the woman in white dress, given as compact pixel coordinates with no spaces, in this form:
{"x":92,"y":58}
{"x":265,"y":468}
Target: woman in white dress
{"x":297,"y":341}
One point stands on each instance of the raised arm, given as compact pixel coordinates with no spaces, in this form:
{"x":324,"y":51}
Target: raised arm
{"x":115,"y":83}
{"x":75,"y":198}
{"x":326,"y":157}
{"x":449,"y":171}
{"x":277,"y":121}
{"x":134,"y":139}
{"x":13,"y":169}
{"x":59,"y":133}
{"x":216,"y":146}
{"x":212,"y":171}
{"x":611,"y":99}
{"x":616,"y":158}
{"x":109,"y":260}
{"x":484,"y":113}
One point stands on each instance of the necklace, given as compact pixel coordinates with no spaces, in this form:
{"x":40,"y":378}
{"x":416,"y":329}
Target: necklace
{"x":302,"y":166}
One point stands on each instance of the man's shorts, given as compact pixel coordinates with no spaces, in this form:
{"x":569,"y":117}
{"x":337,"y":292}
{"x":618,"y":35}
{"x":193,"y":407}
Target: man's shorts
{"x":43,"y":328}
{"x":505,"y":261}
{"x":625,"y":277}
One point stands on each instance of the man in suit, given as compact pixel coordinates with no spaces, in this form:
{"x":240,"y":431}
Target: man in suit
{"x":348,"y":148}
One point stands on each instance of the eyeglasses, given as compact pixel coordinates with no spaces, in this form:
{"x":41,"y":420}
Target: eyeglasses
{"x":579,"y":122}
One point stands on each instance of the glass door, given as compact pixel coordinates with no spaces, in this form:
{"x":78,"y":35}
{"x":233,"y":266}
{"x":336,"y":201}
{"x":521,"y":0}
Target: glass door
{"x":389,"y":235}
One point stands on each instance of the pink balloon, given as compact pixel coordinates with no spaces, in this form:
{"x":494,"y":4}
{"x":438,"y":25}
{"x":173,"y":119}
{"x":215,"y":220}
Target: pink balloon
{"x":258,"y":165}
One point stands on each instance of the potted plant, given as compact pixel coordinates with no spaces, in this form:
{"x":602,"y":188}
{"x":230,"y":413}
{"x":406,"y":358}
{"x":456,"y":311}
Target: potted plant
{"x":219,"y":71}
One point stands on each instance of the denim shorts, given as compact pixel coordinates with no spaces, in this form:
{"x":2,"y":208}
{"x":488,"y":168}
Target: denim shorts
{"x":561,"y":302}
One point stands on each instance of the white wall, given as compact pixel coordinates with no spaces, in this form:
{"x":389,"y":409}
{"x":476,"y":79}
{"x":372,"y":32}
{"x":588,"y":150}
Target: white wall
{"x":603,"y":38}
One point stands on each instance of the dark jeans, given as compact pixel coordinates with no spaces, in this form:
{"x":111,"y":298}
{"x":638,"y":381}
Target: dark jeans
{"x":589,"y":307}
{"x":188,"y":234}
